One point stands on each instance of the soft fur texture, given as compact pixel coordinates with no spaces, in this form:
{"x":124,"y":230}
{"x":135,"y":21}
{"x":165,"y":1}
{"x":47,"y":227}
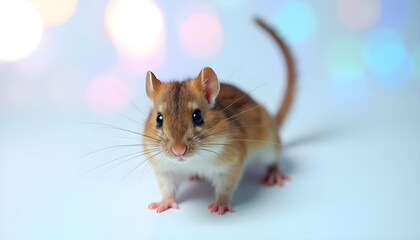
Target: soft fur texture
{"x":236,"y":130}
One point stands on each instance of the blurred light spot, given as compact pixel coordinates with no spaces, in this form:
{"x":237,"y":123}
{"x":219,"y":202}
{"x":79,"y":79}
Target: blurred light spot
{"x":348,"y":74}
{"x":141,"y":66}
{"x":201,"y":35}
{"x":41,"y":60}
{"x":296,"y":21}
{"x":136,"y":27}
{"x":359,"y":14}
{"x":345,"y":58}
{"x":56,"y":12}
{"x":107,"y":93}
{"x":20,"y":30}
{"x":385,"y":54}
{"x":396,"y":13}
{"x":416,"y":58}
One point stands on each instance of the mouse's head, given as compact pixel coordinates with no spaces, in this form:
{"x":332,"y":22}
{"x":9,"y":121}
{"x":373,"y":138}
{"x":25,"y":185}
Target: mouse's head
{"x":181,"y":112}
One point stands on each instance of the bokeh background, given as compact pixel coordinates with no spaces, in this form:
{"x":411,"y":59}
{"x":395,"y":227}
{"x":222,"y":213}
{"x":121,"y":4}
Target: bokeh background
{"x":351,"y":142}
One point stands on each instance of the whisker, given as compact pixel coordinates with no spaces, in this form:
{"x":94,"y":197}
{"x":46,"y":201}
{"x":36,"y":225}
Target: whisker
{"x":118,"y":146}
{"x":147,"y":159}
{"x":232,"y":128}
{"x":221,"y":135}
{"x":239,"y":98}
{"x":125,"y":117}
{"x":245,"y":140}
{"x":242,"y":112}
{"x":217,"y":144}
{"x":115,"y":159}
{"x":203,"y":156}
{"x":231,"y":76}
{"x":126,"y":130}
{"x":208,"y":150}
{"x":131,"y":138}
{"x":163,"y":131}
{"x":129,"y":101}
{"x":254,"y":140}
{"x":129,"y":159}
{"x":135,"y":121}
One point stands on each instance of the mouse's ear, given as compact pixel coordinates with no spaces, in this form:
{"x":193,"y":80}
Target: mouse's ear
{"x":208,"y":84}
{"x":152,"y":85}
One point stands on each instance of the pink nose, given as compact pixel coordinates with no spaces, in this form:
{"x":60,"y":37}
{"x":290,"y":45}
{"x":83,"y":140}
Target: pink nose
{"x":179,"y":149}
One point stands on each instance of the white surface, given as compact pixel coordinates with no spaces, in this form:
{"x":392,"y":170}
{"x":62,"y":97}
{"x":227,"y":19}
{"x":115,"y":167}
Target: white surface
{"x":356,"y":175}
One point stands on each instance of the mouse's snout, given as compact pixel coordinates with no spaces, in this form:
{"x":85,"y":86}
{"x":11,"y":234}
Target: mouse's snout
{"x":179,"y":149}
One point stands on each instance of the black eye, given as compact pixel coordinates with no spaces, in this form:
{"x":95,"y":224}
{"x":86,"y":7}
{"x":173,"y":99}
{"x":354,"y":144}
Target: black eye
{"x":197,"y":118}
{"x":159,"y":120}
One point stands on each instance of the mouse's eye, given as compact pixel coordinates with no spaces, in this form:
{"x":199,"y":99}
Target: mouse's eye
{"x":197,"y":118}
{"x":159,"y":120}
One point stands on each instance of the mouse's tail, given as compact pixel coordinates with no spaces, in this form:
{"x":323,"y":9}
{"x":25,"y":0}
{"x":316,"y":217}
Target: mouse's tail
{"x":291,"y":74}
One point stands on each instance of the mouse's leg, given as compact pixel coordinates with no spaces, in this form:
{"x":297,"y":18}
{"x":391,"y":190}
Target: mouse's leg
{"x":168,"y":184}
{"x":225,"y":185}
{"x":274,"y":176}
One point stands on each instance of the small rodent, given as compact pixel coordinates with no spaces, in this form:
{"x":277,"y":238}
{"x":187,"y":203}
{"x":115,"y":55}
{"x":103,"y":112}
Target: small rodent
{"x":202,"y":128}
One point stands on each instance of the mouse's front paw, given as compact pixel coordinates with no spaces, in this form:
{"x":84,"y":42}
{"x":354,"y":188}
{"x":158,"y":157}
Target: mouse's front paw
{"x":220,"y":208}
{"x":162,"y":206}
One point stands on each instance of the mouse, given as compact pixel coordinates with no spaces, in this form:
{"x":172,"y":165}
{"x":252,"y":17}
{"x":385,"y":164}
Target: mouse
{"x":201,"y":128}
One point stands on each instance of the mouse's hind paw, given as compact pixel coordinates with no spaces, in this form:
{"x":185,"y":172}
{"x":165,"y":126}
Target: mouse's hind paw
{"x":274,"y":177}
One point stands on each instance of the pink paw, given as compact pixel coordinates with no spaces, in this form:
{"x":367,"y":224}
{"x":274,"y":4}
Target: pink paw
{"x":162,"y":206}
{"x":194,"y":178}
{"x":220,"y":208}
{"x":274,"y":177}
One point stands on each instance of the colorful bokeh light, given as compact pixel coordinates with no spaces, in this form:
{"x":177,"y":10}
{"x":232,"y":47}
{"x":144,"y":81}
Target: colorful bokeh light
{"x":141,"y":66}
{"x":296,"y":20}
{"x":359,"y":14}
{"x":40,"y":61}
{"x":345,"y":58}
{"x":201,"y":35}
{"x":20,"y":30}
{"x":347,"y":70}
{"x":107,"y":93}
{"x":57,"y":12}
{"x":384,"y":52}
{"x":136,"y":28}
